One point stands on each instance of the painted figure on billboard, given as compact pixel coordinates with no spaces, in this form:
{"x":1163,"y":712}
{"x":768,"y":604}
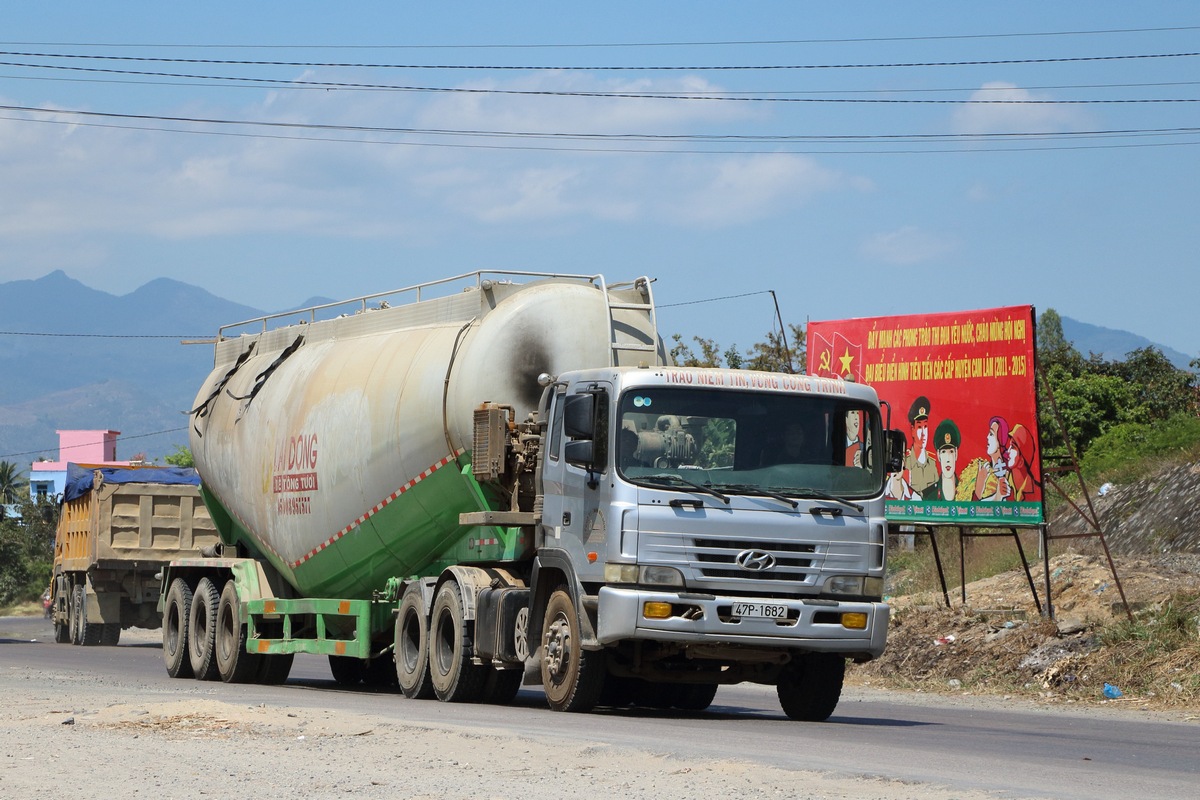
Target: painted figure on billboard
{"x":946,"y":439}
{"x":920,"y":463}
{"x":1021,"y":456}
{"x":854,"y":442}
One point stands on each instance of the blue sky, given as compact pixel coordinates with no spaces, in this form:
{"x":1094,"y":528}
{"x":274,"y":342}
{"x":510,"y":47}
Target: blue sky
{"x":816,"y":198}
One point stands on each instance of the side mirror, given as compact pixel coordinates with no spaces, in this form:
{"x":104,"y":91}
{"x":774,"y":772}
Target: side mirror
{"x":579,"y":417}
{"x":581,"y":453}
{"x":895,"y":444}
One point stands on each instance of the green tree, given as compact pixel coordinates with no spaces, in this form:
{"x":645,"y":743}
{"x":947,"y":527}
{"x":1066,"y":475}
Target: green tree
{"x":26,"y":552}
{"x":11,"y":483}
{"x":769,"y":355}
{"x":182,"y":457}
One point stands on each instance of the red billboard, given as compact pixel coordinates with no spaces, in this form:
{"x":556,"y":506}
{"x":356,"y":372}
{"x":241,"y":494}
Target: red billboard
{"x":961,"y":386}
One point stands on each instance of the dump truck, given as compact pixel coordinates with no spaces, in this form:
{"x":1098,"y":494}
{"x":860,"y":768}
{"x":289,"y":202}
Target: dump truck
{"x":499,"y":479}
{"x":117,"y":528}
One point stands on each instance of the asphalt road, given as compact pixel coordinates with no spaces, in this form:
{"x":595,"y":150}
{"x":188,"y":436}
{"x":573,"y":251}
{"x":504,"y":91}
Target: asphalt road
{"x":1017,"y":750}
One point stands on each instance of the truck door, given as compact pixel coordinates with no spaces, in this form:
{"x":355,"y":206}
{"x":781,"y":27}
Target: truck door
{"x":576,"y":478}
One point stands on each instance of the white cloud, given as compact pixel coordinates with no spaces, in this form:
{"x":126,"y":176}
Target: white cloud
{"x":1012,"y":111}
{"x":739,"y":188}
{"x":907,"y":246}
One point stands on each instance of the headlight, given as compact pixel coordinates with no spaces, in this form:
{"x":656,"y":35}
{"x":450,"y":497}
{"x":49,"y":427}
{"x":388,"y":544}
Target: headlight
{"x":844,"y":584}
{"x":648,"y":575}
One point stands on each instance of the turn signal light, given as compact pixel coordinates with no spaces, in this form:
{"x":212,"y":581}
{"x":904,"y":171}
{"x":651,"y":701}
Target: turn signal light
{"x":855,"y":620}
{"x":654,"y":610}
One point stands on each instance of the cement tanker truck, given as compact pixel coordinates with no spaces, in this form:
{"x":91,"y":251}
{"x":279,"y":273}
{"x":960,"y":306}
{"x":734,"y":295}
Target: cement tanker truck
{"x":498,"y":479}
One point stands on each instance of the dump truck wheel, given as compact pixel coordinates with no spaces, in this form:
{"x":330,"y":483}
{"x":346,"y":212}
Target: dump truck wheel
{"x":455,"y":678}
{"x":347,"y":671}
{"x":234,"y":664}
{"x":202,"y":631}
{"x":62,"y":632}
{"x":502,"y":686}
{"x":177,"y":611}
{"x":76,"y":615}
{"x":110,"y":634}
{"x":572,"y":677}
{"x":412,"y":645}
{"x":810,"y":687}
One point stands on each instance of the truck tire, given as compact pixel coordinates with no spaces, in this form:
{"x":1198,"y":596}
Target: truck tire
{"x":62,"y":632}
{"x":347,"y":671}
{"x":234,"y":664}
{"x":455,"y":678}
{"x":412,"y":645}
{"x":694,"y":696}
{"x":572,"y":677}
{"x":110,"y":634}
{"x":380,"y":672}
{"x":275,"y":668}
{"x":502,"y":685}
{"x":202,"y":631}
{"x":75,"y":614}
{"x":809,"y":687}
{"x":177,"y":611}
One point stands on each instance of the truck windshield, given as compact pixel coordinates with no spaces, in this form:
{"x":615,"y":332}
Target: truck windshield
{"x":741,"y":442}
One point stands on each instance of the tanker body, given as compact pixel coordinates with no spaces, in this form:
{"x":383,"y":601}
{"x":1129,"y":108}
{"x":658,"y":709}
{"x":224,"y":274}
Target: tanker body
{"x":509,"y":484}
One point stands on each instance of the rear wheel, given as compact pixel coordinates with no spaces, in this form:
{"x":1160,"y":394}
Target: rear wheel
{"x":275,"y":668}
{"x":234,"y":664}
{"x":202,"y":631}
{"x":502,"y":686}
{"x":75,"y":618}
{"x":572,"y":677}
{"x":455,"y":678}
{"x":110,"y":634}
{"x":809,"y":688}
{"x":347,"y":671}
{"x":176,"y":613}
{"x":412,"y":645}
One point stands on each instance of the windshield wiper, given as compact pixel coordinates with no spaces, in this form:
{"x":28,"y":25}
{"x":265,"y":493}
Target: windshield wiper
{"x":747,"y":489}
{"x":668,"y":478}
{"x":817,"y":493}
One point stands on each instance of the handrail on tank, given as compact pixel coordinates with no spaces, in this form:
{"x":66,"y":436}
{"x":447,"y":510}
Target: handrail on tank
{"x":365,"y":299}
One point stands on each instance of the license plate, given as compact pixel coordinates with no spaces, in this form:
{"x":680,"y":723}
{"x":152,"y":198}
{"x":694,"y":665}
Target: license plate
{"x":760,"y":610}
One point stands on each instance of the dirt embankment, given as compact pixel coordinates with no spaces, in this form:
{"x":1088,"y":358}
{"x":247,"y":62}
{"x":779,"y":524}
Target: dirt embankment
{"x":998,"y":643}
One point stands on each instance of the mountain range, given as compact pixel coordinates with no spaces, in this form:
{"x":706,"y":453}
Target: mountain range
{"x":77,"y":358}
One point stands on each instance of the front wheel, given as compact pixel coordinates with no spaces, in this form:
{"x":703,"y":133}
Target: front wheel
{"x":809,"y":688}
{"x":572,"y":677}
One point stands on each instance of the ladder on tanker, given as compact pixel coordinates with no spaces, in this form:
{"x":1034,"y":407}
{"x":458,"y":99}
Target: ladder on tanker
{"x":623,"y":334}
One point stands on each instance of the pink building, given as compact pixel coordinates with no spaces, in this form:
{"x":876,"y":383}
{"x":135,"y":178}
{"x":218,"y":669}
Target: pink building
{"x":49,"y":478}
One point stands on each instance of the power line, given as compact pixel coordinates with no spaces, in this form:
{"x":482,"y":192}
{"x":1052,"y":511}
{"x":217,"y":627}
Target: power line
{"x":630,"y":150}
{"x":60,"y":448}
{"x":582,"y":45}
{"x":691,"y":137}
{"x":595,"y":67}
{"x":648,"y":94}
{"x":97,"y":335}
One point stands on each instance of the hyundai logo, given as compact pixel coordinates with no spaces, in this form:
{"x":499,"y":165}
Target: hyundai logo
{"x":755,"y":560}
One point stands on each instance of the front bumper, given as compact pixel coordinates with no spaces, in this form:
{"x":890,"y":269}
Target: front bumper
{"x":813,"y":625}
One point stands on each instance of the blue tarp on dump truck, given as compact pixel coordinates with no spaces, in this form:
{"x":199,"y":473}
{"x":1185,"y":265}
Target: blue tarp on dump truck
{"x":80,"y":480}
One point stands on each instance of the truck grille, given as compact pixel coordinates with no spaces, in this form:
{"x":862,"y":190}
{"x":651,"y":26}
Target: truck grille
{"x":717,"y":558}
